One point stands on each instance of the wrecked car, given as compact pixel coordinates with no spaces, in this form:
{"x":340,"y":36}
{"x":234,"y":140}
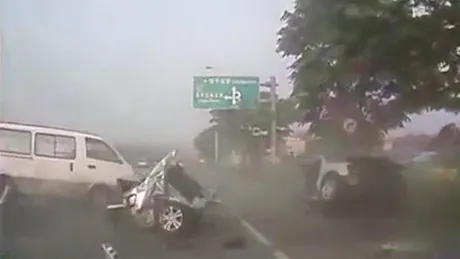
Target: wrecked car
{"x":166,"y":198}
{"x":355,"y":179}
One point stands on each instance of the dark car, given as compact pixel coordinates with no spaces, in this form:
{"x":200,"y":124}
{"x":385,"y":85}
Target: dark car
{"x":362,"y":180}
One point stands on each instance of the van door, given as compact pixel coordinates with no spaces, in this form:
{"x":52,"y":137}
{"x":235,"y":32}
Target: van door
{"x":55,"y":163}
{"x":103,"y":163}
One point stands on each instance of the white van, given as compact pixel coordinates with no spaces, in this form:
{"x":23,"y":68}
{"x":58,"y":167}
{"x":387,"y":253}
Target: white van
{"x":49,"y":160}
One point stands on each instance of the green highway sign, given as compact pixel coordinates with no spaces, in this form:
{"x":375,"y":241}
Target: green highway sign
{"x":225,"y":92}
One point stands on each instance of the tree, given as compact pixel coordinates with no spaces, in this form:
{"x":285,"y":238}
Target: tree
{"x":419,"y":142}
{"x":236,"y":128}
{"x":447,"y":137}
{"x":373,"y":60}
{"x":204,"y":142}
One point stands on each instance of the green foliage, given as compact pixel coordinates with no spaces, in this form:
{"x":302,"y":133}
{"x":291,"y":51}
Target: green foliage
{"x":373,"y":60}
{"x":261,"y":117}
{"x":435,"y":191}
{"x":204,"y":142}
{"x":447,"y":138}
{"x":434,"y":211}
{"x":332,"y":136}
{"x":231,"y":125}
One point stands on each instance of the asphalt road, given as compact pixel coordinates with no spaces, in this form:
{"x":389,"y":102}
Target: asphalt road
{"x":264,"y":212}
{"x":273,"y":204}
{"x":44,"y":227}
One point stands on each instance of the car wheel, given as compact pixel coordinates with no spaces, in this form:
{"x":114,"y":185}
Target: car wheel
{"x":175,"y":219}
{"x":331,"y":195}
{"x":330,"y":188}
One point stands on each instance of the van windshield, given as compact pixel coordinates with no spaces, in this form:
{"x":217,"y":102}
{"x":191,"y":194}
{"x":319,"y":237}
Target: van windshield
{"x":99,"y":150}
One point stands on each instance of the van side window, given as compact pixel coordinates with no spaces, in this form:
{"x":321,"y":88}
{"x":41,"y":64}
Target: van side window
{"x":99,"y":150}
{"x":15,"y":141}
{"x":55,"y":146}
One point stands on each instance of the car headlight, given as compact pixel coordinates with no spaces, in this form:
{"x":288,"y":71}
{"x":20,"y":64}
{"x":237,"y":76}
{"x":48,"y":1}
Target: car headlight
{"x":131,"y":200}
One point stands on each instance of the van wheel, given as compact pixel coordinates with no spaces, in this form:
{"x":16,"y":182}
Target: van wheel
{"x":98,"y":196}
{"x":7,"y":188}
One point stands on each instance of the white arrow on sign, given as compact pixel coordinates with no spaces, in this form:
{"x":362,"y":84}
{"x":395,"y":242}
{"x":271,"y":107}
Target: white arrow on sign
{"x":235,"y":96}
{"x":350,"y":125}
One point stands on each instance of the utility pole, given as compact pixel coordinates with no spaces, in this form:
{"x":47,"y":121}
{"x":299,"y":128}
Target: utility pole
{"x":216,"y":145}
{"x":209,"y":70}
{"x":273,"y":85}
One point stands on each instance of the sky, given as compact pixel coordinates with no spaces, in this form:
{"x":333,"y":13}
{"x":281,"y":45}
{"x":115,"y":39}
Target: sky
{"x":124,"y":69}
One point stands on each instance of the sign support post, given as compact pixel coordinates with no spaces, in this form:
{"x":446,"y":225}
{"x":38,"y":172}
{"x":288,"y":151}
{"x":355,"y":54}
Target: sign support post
{"x":216,"y":145}
{"x":273,"y":138}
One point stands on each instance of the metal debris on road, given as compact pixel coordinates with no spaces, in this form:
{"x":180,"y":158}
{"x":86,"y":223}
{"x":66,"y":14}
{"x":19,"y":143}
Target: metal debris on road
{"x":110,"y":252}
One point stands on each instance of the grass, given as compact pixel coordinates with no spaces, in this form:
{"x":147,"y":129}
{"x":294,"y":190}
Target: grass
{"x":433,"y":208}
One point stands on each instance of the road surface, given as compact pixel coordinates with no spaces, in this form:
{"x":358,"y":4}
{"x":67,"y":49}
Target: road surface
{"x":273,"y":208}
{"x":263,"y":214}
{"x":44,"y":227}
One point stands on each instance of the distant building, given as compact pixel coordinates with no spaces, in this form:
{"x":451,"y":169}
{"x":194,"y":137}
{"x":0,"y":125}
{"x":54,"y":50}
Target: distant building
{"x":388,"y":144}
{"x":403,"y":147}
{"x":295,"y":145}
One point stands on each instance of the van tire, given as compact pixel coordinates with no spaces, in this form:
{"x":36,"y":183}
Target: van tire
{"x":7,"y":181}
{"x":98,"y":196}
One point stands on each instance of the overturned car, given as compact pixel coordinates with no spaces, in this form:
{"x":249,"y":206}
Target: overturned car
{"x":166,"y":198}
{"x":364,"y":180}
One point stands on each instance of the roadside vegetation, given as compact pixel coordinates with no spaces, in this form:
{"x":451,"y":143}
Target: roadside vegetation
{"x":376,"y":62}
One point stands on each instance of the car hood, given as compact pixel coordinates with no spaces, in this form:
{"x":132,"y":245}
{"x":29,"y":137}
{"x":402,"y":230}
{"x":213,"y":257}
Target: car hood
{"x":182,"y":187}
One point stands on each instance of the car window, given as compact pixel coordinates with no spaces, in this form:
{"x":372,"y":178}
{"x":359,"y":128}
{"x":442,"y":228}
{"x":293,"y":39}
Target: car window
{"x":15,"y":141}
{"x":99,"y":150}
{"x":55,"y":146}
